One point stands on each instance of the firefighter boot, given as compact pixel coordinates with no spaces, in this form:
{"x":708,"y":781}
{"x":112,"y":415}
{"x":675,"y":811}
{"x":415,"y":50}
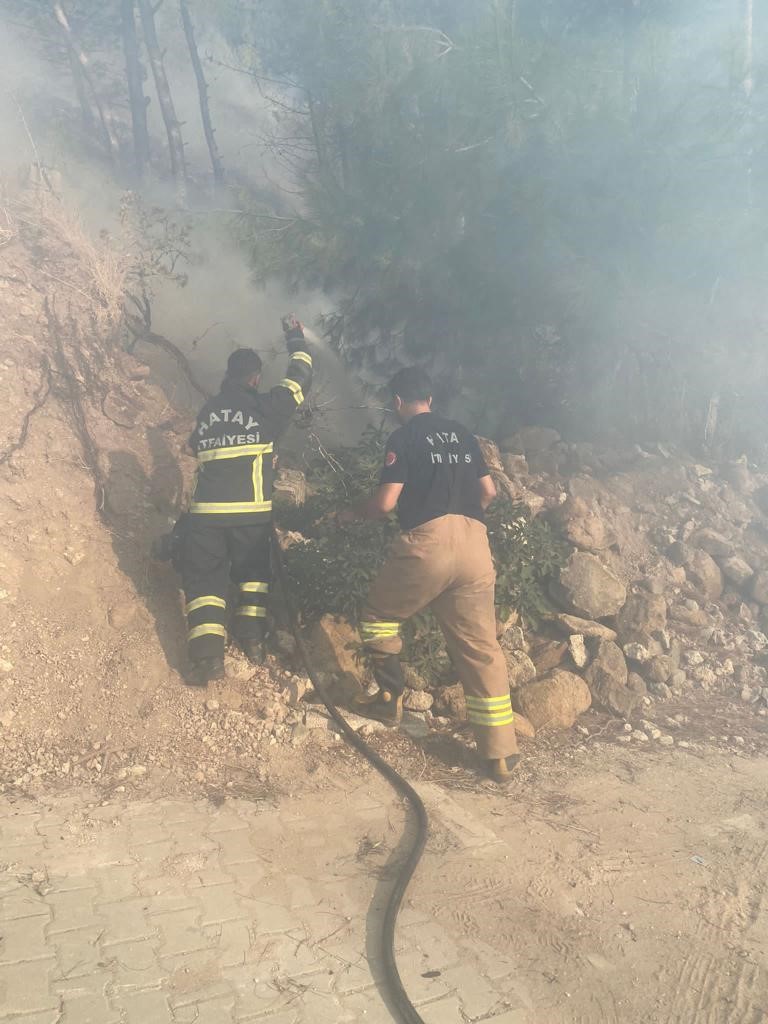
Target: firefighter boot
{"x":501,"y":768}
{"x":253,"y":649}
{"x":205,"y":671}
{"x":387,"y":704}
{"x":252,"y":645}
{"x":384,"y":706}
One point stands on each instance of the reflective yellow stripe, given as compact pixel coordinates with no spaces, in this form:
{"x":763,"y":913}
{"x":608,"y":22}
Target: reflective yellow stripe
{"x":201,"y":602}
{"x":258,"y":479}
{"x":489,"y":714}
{"x":207,"y":628}
{"x":489,"y":703}
{"x":371,"y":631}
{"x":255,"y":588}
{"x":474,"y":719}
{"x":304,"y":357}
{"x":294,"y":388}
{"x":222,"y":508}
{"x":251,"y":612}
{"x":240,"y":452}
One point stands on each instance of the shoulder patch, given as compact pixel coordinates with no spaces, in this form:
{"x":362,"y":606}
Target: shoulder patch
{"x":391,"y":459}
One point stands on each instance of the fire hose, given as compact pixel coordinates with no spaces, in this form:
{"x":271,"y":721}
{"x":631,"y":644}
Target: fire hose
{"x":406,"y":1010}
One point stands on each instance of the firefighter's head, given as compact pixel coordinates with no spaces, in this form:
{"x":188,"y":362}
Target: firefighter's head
{"x":244,"y":368}
{"x":411,"y":390}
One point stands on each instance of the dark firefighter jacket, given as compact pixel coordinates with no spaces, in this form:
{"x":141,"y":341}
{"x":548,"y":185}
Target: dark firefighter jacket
{"x":234,"y":442}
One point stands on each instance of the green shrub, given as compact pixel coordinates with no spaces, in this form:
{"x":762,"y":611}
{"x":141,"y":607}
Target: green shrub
{"x":333,"y":569}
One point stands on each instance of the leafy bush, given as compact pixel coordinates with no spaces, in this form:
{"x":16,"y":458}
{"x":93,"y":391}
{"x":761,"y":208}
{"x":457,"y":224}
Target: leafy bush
{"x":333,"y":569}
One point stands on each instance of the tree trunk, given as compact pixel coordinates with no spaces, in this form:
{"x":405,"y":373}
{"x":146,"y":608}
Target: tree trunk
{"x":81,"y":90}
{"x":749,"y":85}
{"x":164,"y":96}
{"x":138,"y":102}
{"x":76,"y":53}
{"x":202,"y":92}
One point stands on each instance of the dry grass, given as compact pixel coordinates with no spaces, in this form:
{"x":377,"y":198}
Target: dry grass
{"x":95,"y":269}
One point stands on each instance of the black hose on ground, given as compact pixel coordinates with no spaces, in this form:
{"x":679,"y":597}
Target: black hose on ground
{"x":405,"y":1008}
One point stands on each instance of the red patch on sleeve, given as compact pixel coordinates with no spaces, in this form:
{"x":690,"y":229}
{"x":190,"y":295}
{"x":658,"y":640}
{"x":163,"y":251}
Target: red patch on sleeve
{"x":391,"y":459}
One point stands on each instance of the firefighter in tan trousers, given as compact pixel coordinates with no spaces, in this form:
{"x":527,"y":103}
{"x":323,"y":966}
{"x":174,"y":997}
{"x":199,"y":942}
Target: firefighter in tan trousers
{"x":435,"y":475}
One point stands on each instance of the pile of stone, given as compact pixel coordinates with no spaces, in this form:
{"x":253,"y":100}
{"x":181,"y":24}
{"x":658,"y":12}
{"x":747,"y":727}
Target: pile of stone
{"x":665,"y":592}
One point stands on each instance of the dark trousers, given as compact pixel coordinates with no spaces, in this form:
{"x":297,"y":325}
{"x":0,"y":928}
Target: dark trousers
{"x":213,"y":556}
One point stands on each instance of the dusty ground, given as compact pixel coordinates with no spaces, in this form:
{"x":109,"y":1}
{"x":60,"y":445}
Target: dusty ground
{"x":622,"y":886}
{"x":617,"y":880}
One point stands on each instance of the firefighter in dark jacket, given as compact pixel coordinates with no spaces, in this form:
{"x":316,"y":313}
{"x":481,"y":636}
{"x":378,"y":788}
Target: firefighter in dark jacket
{"x":435,"y":475}
{"x":227,"y":531}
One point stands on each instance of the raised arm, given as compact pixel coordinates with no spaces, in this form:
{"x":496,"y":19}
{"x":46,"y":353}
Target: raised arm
{"x":290,"y":393}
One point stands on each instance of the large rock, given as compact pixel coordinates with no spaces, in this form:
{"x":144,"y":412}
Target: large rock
{"x":548,"y":654}
{"x":450,"y":701}
{"x":587,"y":589}
{"x":573,"y":624}
{"x":332,"y":643}
{"x":531,"y":439}
{"x":712,"y":542}
{"x":759,"y":588}
{"x":608,"y":679}
{"x":523,"y":727}
{"x":737,"y":570}
{"x":491,"y":454}
{"x":643,"y":615}
{"x":520,"y":668}
{"x":583,"y":525}
{"x":290,"y":487}
{"x":555,"y":702}
{"x":514,"y":465}
{"x":704,"y":573}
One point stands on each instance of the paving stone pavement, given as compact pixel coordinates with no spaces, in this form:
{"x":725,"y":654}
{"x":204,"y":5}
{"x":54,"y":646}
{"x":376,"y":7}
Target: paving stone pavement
{"x":181,"y":912}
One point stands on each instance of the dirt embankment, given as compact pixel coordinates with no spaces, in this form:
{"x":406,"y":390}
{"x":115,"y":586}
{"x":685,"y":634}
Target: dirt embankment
{"x":92,"y":467}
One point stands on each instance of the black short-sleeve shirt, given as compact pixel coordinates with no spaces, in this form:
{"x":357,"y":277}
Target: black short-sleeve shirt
{"x":439,"y":463}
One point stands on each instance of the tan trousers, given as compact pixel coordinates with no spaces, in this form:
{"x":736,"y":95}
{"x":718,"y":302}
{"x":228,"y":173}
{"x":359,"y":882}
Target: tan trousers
{"x":446,"y":565}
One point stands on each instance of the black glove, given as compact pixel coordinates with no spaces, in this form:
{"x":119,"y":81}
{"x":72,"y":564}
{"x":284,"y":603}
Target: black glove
{"x":294,"y":333}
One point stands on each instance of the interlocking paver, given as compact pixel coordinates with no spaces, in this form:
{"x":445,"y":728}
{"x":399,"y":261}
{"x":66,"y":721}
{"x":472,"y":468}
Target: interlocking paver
{"x":144,"y":831}
{"x":193,"y":977}
{"x":212,"y":1011}
{"x":236,"y":846}
{"x":19,"y":830}
{"x":126,"y":920}
{"x":78,"y":951}
{"x":135,"y":965}
{"x":150,"y":858}
{"x":85,"y":1000}
{"x":23,"y":902}
{"x":233,"y":941}
{"x":24,"y":987}
{"x":181,"y":913}
{"x":221,"y":903}
{"x":180,"y":932}
{"x":166,"y":895}
{"x":249,"y":876}
{"x":72,"y":910}
{"x":115,"y":881}
{"x":23,"y":939}
{"x":148,"y":1007}
{"x":477,"y":994}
